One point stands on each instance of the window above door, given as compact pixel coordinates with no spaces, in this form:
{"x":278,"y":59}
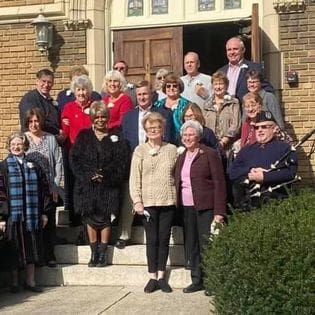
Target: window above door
{"x":150,"y":13}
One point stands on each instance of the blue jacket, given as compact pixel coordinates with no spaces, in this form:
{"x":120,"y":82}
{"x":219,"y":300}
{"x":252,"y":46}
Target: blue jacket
{"x":130,"y":126}
{"x":241,"y":86}
{"x":257,"y":155}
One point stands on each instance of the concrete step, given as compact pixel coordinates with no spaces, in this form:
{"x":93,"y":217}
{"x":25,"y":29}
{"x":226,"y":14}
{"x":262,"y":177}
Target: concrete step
{"x":62,"y":216}
{"x":71,"y":234}
{"x":130,"y":255}
{"x":113,"y":275}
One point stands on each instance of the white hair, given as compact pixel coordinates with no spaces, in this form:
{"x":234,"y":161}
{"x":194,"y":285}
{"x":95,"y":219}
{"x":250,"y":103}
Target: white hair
{"x":192,"y":124}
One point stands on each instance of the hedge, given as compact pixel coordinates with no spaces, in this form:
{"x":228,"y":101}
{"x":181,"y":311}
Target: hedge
{"x":263,"y":262}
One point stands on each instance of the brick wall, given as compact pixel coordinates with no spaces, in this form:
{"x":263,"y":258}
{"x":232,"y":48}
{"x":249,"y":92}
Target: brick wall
{"x":297,"y":42}
{"x":20,"y":60}
{"x":12,"y":3}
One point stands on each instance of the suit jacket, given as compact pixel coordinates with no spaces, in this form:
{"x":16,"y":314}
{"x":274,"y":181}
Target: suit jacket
{"x":130,"y":126}
{"x":49,"y":107}
{"x":207,"y":180}
{"x":241,"y":85}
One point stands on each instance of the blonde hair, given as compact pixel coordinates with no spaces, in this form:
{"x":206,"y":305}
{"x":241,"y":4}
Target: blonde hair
{"x":152,"y":118}
{"x":114,"y":75}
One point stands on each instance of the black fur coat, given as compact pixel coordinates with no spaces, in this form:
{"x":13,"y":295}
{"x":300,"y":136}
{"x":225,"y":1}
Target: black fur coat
{"x":108,"y":157}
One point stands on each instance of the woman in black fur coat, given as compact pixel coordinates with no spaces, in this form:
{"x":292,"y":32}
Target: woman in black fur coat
{"x":99,"y":162}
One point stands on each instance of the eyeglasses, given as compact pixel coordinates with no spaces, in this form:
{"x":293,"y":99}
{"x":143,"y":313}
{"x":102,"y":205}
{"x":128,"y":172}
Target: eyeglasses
{"x":153,"y":128}
{"x":189,"y":135}
{"x":171,"y":85}
{"x":253,"y":106}
{"x":263,"y":127}
{"x":119,"y":68}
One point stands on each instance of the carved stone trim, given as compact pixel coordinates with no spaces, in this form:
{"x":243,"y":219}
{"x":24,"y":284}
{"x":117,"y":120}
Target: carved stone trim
{"x":75,"y":25}
{"x":289,"y":6}
{"x":77,"y":16}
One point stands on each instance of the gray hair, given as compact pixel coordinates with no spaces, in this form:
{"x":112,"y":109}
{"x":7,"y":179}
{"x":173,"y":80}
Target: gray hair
{"x":96,"y":107}
{"x":192,"y":124}
{"x":114,"y":75}
{"x":82,"y":81}
{"x":20,"y":135}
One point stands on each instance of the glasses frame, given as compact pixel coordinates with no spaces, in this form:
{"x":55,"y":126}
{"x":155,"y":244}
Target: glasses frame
{"x":263,"y":127}
{"x":171,"y":85}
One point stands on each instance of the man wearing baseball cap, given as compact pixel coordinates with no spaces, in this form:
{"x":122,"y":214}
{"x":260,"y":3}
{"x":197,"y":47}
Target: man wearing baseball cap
{"x":254,"y":163}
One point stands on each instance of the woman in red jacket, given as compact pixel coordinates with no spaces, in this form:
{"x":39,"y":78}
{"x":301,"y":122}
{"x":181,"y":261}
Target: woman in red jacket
{"x":200,"y":186}
{"x":116,"y":100}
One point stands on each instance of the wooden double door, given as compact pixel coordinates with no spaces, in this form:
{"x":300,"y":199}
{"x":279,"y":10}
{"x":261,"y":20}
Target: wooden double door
{"x":148,"y":50}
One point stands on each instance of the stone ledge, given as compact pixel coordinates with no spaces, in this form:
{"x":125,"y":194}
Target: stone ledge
{"x":130,"y":255}
{"x":114,"y":275}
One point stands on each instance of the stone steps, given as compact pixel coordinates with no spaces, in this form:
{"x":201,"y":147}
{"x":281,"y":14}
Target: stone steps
{"x":70,"y":234}
{"x":130,"y":255}
{"x":113,"y":275}
{"x":127,"y":266}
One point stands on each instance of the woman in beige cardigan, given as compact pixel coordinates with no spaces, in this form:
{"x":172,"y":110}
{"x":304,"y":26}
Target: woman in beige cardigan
{"x":152,"y":190}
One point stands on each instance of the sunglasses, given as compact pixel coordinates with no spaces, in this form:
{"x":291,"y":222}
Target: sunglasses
{"x":263,"y":127}
{"x":171,"y":85}
{"x":160,"y":78}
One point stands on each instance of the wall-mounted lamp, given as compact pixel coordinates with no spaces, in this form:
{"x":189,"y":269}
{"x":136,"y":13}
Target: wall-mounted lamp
{"x":44,"y":33}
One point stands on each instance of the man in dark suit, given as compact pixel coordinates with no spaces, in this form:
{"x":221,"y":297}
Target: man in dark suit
{"x":40,"y":97}
{"x":237,"y":68}
{"x":133,"y":132}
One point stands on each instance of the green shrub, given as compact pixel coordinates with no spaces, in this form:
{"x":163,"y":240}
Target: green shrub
{"x":263,"y":262}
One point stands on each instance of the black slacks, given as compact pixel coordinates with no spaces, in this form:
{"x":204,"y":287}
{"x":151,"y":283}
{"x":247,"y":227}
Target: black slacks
{"x":197,"y":232}
{"x":68,"y":187}
{"x":49,"y":234}
{"x":158,"y":230}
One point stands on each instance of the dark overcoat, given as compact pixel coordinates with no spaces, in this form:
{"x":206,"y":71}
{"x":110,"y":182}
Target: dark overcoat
{"x":108,"y":157}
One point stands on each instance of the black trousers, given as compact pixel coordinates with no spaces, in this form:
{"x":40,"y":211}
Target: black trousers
{"x":49,"y":234}
{"x":158,"y":230}
{"x":197,"y":232}
{"x":68,"y":187}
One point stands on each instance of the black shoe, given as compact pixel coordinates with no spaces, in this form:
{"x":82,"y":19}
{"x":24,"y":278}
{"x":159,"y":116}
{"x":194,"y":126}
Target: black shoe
{"x":164,"y":286}
{"x":207,"y":293}
{"x":35,"y":288}
{"x":121,"y":244}
{"x":193,"y":288}
{"x":151,"y":286}
{"x":188,"y":265}
{"x":15,"y":289}
{"x":52,"y":263}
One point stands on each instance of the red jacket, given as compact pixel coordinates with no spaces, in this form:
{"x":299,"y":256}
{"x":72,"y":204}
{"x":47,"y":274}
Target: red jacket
{"x":78,"y":119}
{"x":207,"y":180}
{"x":117,"y":109}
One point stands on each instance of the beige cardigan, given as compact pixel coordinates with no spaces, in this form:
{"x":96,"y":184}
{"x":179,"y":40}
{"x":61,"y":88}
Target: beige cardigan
{"x":152,"y":175}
